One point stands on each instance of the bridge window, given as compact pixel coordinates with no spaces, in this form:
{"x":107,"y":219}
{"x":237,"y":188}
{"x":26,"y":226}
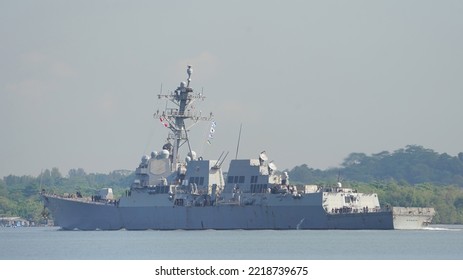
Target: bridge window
{"x":259,"y":188}
{"x":197,"y":180}
{"x":162,"y":189}
{"x":253,"y":179}
{"x":235,"y":179}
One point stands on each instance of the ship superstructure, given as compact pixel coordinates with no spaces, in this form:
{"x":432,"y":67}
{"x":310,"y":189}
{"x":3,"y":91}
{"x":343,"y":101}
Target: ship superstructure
{"x":166,"y":166}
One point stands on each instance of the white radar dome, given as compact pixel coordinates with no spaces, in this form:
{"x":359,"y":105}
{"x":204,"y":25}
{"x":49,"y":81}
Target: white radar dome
{"x":272,"y":166}
{"x":192,"y":155}
{"x":145,"y":158}
{"x":165,"y":153}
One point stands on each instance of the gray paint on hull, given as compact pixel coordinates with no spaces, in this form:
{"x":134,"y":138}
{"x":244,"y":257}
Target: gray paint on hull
{"x":74,"y":214}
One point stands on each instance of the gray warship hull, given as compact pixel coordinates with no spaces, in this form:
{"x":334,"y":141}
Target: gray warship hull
{"x":72,"y":214}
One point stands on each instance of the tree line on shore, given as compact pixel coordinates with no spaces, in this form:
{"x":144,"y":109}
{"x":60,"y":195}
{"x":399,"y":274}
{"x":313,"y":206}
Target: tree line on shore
{"x":413,"y":176}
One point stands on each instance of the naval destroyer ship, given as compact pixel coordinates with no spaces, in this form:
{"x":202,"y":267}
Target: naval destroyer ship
{"x":171,"y":193}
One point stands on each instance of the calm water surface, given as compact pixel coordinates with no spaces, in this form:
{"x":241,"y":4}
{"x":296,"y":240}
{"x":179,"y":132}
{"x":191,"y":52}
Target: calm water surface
{"x":49,"y":243}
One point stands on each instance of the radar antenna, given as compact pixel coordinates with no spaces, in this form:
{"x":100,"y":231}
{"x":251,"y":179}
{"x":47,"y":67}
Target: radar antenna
{"x":175,"y":118}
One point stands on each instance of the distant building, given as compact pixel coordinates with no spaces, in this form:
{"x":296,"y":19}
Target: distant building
{"x":14,"y":222}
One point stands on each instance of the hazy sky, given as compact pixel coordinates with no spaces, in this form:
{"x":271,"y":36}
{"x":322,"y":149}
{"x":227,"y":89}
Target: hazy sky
{"x":311,"y":81}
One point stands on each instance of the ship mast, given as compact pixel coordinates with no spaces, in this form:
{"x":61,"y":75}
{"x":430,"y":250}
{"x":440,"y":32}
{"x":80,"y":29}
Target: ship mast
{"x":175,"y":118}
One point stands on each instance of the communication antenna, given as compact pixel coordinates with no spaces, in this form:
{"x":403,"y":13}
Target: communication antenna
{"x":220,"y":162}
{"x":263,"y":156}
{"x":187,"y":139}
{"x":189,"y":71}
{"x":271,"y":167}
{"x":238,"y":145}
